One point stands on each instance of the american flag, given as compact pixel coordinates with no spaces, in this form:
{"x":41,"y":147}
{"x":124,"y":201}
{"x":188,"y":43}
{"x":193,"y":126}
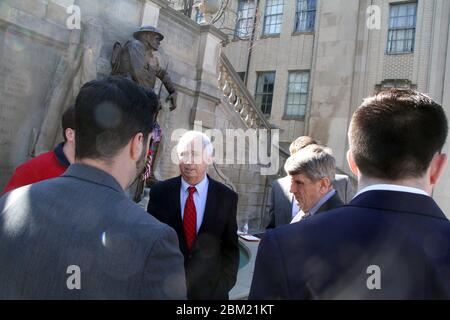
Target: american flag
{"x":156,"y":137}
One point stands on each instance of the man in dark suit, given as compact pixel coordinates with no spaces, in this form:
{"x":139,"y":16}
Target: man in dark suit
{"x":391,"y":241}
{"x":283,"y":206}
{"x":312,"y":170}
{"x":78,"y":236}
{"x":203,"y":213}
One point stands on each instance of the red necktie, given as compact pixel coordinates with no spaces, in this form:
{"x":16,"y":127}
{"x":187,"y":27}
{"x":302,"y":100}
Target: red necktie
{"x":190,"y":218}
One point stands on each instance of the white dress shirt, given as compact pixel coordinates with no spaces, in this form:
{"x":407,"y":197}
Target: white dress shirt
{"x":199,"y":198}
{"x":316,"y":207}
{"x":298,"y":217}
{"x":391,"y":187}
{"x":295,"y":207}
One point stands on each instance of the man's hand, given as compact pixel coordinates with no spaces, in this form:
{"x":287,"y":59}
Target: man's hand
{"x":173,"y":100}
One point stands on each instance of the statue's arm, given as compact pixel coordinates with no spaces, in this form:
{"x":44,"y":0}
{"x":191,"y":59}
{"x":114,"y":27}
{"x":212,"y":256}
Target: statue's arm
{"x":165,"y":79}
{"x":170,"y":87}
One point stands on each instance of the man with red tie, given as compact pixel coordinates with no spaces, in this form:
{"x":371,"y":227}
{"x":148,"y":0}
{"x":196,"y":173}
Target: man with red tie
{"x":203,"y":213}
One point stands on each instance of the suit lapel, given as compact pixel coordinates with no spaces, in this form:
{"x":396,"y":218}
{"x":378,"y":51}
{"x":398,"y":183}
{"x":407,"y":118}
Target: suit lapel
{"x":210,"y":207}
{"x":176,"y":213}
{"x":334,"y":202}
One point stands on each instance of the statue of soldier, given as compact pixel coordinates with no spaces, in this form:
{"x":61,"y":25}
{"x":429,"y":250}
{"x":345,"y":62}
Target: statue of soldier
{"x":136,"y":60}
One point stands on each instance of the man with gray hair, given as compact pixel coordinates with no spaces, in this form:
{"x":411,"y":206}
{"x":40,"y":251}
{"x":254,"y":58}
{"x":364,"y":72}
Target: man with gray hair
{"x":283,"y":206}
{"x":203,"y":213}
{"x":312,"y":170}
{"x":392,"y":240}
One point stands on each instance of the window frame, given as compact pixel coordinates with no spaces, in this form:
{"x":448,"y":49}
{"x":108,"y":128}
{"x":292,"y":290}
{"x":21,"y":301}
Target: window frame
{"x":249,"y":18}
{"x":287,"y":116}
{"x":258,"y":75}
{"x":271,"y":16}
{"x":395,"y":31}
{"x":241,"y":75}
{"x":199,"y":14}
{"x":299,"y":13}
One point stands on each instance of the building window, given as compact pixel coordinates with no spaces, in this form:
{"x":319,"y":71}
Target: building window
{"x":273,"y":17}
{"x":402,"y":28}
{"x":241,"y":75}
{"x":245,"y":15}
{"x":264,"y":91}
{"x":305,"y":16}
{"x":297,"y":94}
{"x":199,"y":16}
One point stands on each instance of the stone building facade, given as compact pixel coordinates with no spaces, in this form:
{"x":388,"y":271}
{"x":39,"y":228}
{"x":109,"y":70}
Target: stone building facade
{"x":315,"y":71}
{"x":347,"y":48}
{"x":46,"y":55}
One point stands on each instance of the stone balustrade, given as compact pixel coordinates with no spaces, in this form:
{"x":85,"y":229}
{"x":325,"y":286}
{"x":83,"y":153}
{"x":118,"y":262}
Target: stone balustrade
{"x":238,"y":96}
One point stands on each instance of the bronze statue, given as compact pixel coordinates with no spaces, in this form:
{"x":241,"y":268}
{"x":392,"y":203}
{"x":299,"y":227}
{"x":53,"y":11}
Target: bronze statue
{"x":136,"y":60}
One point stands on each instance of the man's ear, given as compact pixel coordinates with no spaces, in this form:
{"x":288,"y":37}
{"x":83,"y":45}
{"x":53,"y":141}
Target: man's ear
{"x":437,"y":166}
{"x":136,"y":146}
{"x":325,"y":185}
{"x":70,"y":134}
{"x":352,"y":163}
{"x":209,"y":160}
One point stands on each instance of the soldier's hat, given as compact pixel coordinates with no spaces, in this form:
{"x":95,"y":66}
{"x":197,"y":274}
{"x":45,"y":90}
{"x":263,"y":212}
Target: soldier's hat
{"x":147,"y":29}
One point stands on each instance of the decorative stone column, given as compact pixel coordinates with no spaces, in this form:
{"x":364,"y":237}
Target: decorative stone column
{"x":208,"y":94}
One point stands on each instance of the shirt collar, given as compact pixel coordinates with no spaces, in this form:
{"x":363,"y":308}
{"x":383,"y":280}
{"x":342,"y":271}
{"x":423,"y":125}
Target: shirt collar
{"x":94,"y":175}
{"x":59,"y":153}
{"x":322,"y":200}
{"x":391,"y":187}
{"x":201,"y":187}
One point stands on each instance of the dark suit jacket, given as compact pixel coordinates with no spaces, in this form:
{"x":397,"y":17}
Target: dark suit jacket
{"x":212,"y":264}
{"x":280,"y":210}
{"x":84,"y":218}
{"x":331,"y":256}
{"x":332,"y":203}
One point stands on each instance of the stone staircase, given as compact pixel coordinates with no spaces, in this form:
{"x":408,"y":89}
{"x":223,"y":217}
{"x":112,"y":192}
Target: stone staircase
{"x":238,"y":96}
